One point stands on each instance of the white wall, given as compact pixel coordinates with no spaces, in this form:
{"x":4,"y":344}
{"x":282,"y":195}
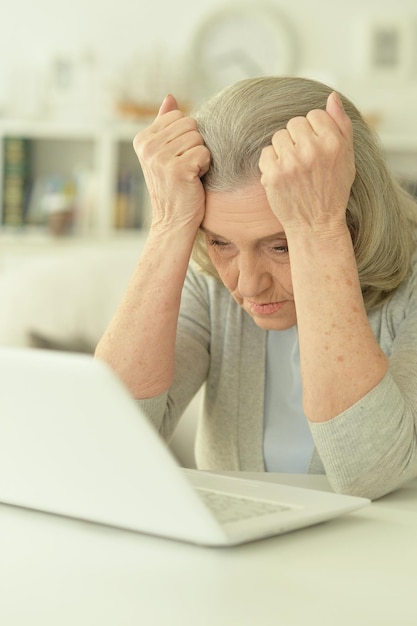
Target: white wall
{"x":110,"y":38}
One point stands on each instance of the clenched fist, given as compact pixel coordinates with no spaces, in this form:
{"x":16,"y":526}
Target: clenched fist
{"x":173,"y":158}
{"x":309,"y":168}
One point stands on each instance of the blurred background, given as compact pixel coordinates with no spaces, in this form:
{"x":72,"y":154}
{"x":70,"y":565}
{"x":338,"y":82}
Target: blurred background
{"x":78,"y":79}
{"x":81,"y":58}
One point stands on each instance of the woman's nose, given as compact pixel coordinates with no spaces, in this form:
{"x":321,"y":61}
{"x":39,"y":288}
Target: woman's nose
{"x":253,"y":276}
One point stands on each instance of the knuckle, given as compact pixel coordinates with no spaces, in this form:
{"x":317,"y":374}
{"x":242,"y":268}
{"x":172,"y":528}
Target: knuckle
{"x":316,"y":115}
{"x":142,"y":146}
{"x":296,"y":122}
{"x":282,"y":132}
{"x":195,"y":137}
{"x":185,"y":124}
{"x":137,"y":140}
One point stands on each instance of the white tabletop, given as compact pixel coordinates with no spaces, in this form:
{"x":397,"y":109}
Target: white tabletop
{"x":358,"y":570}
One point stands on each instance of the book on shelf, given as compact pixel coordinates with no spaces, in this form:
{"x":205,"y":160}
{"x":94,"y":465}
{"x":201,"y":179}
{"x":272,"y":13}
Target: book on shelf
{"x":16,"y":180}
{"x":65,"y":204}
{"x":128,"y":209}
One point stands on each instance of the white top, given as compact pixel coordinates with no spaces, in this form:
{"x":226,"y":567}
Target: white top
{"x":288,"y":444}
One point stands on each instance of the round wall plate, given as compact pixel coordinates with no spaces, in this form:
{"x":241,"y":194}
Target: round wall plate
{"x":238,"y":42}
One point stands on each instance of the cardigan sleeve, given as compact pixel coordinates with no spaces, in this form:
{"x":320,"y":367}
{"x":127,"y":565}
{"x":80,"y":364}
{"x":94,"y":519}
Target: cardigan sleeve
{"x":371,"y":448}
{"x":191,"y":359}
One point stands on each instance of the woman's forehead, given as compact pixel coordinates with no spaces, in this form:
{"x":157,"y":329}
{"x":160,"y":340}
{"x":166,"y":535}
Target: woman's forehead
{"x":241,"y":213}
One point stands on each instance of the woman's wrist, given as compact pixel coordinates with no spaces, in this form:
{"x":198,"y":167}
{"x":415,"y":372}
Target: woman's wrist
{"x":173,"y":231}
{"x":325,"y":235}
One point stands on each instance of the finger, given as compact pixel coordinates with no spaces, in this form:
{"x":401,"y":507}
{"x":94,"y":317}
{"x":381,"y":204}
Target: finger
{"x":169,"y":104}
{"x":285,"y":139}
{"x":183,"y":142}
{"x":334,"y":108}
{"x":201,"y":157}
{"x":181,"y":131}
{"x":297,"y":127}
{"x":268,"y":156}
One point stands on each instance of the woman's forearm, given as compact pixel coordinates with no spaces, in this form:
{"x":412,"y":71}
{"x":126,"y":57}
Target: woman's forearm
{"x":341,"y":360}
{"x":139,"y":342}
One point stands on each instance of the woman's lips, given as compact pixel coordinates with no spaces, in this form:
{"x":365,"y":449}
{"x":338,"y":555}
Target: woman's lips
{"x":265,"y":309}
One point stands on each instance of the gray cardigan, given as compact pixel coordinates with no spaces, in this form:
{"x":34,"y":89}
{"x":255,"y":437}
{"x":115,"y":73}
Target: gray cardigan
{"x":368,"y":450}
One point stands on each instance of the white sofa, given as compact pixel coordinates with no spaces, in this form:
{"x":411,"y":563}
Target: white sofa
{"x":64,"y":298}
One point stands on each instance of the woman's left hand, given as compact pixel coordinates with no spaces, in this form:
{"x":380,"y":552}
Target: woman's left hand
{"x":309,"y":169}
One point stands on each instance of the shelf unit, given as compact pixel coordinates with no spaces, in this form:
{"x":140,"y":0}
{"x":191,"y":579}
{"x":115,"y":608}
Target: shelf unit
{"x":105,"y":148}
{"x":101,"y":149}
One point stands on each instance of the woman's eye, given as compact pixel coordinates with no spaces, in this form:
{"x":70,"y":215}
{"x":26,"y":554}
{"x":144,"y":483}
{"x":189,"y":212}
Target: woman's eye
{"x":280,"y":249}
{"x":218,"y":243}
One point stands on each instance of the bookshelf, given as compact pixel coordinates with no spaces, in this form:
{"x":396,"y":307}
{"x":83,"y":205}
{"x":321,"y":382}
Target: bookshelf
{"x":77,"y":180}
{"x":96,"y":167}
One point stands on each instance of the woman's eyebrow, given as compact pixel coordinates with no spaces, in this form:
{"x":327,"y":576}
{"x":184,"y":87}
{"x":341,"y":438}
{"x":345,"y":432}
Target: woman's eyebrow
{"x":210,"y":232}
{"x":280,"y":235}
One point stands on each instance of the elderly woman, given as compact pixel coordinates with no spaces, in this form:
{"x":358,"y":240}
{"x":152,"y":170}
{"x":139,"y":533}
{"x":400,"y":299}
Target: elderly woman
{"x":299,"y":309}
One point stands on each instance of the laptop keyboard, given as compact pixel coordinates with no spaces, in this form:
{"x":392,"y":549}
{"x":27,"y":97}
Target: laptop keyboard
{"x":231,"y":508}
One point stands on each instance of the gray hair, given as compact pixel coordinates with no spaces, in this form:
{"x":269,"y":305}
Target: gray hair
{"x":240,"y":121}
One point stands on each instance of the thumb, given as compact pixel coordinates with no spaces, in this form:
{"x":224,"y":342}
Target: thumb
{"x":169,"y":104}
{"x":334,"y":107}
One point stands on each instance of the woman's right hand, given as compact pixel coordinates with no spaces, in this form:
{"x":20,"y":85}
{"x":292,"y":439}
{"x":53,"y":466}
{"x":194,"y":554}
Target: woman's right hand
{"x":173,"y":158}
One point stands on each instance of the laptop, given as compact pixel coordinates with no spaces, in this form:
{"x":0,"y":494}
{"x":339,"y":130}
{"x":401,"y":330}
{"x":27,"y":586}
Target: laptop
{"x":73,"y":442}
